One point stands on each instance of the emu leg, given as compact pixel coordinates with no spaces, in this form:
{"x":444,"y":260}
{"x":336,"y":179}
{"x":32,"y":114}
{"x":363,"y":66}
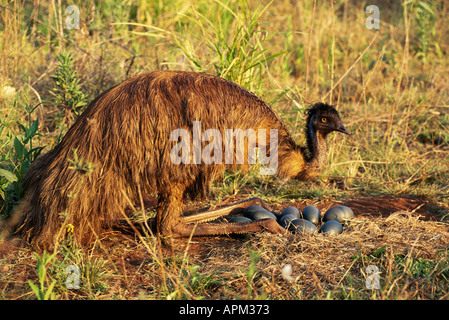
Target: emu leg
{"x":185,"y":228}
{"x":233,"y":208}
{"x":169,"y":209}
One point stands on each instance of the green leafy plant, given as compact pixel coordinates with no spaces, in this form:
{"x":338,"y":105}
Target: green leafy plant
{"x":80,"y":165}
{"x":424,"y":13}
{"x":239,"y":56}
{"x":196,"y":282}
{"x":68,"y":92}
{"x":252,"y":270}
{"x":16,"y":160}
{"x":91,"y":269}
{"x":44,"y":290}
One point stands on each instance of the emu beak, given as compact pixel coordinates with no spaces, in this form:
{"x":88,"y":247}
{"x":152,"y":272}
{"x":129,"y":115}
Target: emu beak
{"x":343,"y":129}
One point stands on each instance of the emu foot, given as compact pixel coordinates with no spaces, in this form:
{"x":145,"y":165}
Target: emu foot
{"x":192,"y":225}
{"x":217,"y":229}
{"x":223,"y":211}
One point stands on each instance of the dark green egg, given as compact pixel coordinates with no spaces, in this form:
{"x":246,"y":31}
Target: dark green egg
{"x":331,"y":227}
{"x":258,"y":213}
{"x":339,"y":213}
{"x":301,"y":225}
{"x":312,"y":214}
{"x":291,"y":210}
{"x":252,"y":208}
{"x":240,"y":219}
{"x":286,"y":219}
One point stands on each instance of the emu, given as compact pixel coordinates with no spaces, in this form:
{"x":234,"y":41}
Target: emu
{"x":125,"y":134}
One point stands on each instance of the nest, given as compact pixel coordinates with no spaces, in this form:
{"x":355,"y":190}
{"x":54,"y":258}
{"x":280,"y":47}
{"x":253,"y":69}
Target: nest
{"x":320,"y":263}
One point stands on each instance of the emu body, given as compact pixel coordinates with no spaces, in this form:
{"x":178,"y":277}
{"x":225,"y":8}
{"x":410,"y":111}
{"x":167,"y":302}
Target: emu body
{"x":125,"y":134}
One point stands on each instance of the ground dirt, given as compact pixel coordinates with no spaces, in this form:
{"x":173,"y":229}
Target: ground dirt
{"x":396,"y":221}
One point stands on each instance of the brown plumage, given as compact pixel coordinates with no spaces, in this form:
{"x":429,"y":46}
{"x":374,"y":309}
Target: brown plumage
{"x":125,"y":134}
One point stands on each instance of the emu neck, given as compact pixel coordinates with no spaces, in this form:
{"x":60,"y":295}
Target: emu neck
{"x":316,"y":153}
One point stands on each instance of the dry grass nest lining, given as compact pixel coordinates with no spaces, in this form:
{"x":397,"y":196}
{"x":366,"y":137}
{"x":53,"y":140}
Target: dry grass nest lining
{"x":330,"y":257}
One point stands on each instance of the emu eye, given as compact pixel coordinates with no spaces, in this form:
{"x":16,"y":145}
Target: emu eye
{"x":323,"y":120}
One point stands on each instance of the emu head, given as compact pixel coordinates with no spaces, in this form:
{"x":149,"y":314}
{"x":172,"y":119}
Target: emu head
{"x":324,"y":118}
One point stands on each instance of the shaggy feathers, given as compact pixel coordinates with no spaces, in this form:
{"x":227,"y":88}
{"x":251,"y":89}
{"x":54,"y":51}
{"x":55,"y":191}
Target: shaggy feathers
{"x":125,"y":134}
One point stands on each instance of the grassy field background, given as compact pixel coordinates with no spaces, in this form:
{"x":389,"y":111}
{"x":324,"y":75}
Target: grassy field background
{"x":389,"y":84}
